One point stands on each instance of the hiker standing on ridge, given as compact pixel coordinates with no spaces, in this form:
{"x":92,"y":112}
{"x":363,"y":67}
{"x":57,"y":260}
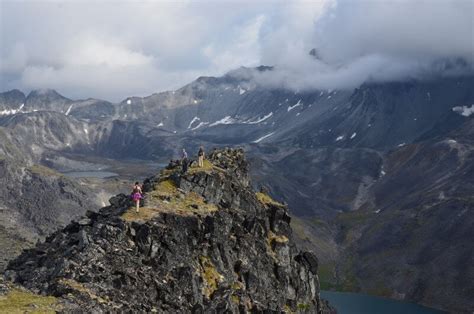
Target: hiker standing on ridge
{"x":201,"y":157}
{"x":184,"y":160}
{"x":137,"y":195}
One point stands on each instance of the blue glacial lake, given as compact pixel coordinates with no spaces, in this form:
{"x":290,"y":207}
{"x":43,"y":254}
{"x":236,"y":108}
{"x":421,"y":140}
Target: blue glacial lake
{"x":354,"y":303}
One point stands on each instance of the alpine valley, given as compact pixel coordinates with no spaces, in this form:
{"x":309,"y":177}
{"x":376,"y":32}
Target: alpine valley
{"x":378,"y":180}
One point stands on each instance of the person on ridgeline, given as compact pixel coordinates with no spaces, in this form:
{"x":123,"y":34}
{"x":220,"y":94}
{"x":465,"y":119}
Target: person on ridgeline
{"x":201,"y":157}
{"x":184,"y":161}
{"x":137,"y":195}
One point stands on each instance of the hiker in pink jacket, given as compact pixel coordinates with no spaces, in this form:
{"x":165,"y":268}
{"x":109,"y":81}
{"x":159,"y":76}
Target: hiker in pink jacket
{"x":137,"y":195}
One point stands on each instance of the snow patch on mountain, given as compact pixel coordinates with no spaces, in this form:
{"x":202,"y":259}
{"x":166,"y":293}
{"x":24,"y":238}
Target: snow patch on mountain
{"x":259,"y":120}
{"x":195,"y":119}
{"x":299,"y":103}
{"x":8,"y":112}
{"x":200,"y":125}
{"x":464,"y":110}
{"x":68,"y":110}
{"x":225,"y":120}
{"x":339,"y":138}
{"x":263,"y":137}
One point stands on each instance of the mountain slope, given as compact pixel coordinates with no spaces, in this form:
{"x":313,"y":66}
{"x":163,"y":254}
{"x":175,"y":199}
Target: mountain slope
{"x":35,"y":200}
{"x":372,"y":173}
{"x":416,"y":233}
{"x":203,"y":242}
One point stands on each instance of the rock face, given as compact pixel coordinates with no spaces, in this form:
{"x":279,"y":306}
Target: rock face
{"x":204,"y":241}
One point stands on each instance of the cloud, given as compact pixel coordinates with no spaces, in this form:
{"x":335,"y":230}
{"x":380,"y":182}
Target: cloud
{"x":113,"y":50}
{"x":241,"y":50}
{"x":360,"y":41}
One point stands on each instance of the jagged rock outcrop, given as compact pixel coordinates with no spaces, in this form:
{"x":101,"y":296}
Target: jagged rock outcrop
{"x":204,"y":242}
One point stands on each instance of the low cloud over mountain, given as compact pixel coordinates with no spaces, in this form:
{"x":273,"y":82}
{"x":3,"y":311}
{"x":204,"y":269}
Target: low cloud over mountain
{"x":112,"y":50}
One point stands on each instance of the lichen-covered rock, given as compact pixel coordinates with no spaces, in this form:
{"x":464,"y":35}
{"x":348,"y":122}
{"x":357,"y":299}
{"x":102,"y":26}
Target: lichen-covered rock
{"x":204,"y":242}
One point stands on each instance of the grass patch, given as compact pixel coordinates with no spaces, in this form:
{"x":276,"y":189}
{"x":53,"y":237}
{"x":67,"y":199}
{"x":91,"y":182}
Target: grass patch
{"x":207,"y":167}
{"x":265,"y":199}
{"x":177,"y":201}
{"x":303,"y":306}
{"x":145,"y":214}
{"x":166,"y":187}
{"x":167,"y":199}
{"x":191,"y":202}
{"x":235,"y":299}
{"x":237,"y":285}
{"x":44,"y":171}
{"x":18,"y":301}
{"x":210,"y":275}
{"x":271,"y":237}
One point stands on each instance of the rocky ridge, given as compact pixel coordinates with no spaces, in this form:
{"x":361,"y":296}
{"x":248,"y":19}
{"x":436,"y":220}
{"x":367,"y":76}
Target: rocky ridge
{"x":203,"y":241}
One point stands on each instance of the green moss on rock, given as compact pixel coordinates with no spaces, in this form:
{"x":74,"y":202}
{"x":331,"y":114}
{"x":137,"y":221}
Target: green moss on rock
{"x":266,"y":199}
{"x":210,"y":276}
{"x":22,"y":301}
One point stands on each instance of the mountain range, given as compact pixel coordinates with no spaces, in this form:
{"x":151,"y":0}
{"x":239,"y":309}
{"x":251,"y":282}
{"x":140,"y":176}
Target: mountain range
{"x":379,"y":178}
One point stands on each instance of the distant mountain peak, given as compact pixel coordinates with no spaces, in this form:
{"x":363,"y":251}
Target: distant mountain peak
{"x":12,"y":92}
{"x":45,"y":92}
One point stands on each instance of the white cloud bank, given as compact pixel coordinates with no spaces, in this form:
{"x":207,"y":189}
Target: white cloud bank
{"x":359,"y":41}
{"x":113,"y":49}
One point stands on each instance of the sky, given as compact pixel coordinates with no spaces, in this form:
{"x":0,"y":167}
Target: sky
{"x":116,"y":49}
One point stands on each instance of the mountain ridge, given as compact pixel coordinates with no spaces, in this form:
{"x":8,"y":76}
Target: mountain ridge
{"x":333,"y":156}
{"x":204,"y":241}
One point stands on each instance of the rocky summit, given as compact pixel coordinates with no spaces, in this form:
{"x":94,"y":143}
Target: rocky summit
{"x":203,"y":242}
